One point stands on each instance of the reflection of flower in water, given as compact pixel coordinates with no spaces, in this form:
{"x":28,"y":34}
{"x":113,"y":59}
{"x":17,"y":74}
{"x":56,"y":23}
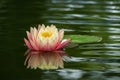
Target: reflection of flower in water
{"x":45,"y":60}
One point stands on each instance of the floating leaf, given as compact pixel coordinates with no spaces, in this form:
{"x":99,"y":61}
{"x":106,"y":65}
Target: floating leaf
{"x":83,"y":38}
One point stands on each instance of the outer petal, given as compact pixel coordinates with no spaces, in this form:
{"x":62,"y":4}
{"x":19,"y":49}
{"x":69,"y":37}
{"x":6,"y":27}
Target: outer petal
{"x":35,"y":33}
{"x":39,"y":27}
{"x":28,"y":43}
{"x":29,"y":35}
{"x":61,"y":34}
{"x":63,"y":43}
{"x":33,"y":44}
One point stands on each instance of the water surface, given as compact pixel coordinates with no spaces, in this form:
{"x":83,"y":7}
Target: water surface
{"x":91,"y":61}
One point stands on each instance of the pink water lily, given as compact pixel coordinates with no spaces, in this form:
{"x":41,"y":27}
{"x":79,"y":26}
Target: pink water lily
{"x":46,"y":38}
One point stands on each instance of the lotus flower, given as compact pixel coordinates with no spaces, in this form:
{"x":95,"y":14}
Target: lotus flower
{"x":46,"y":38}
{"x":45,"y":60}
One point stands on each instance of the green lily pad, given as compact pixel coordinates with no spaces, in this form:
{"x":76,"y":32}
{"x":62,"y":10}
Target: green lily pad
{"x":83,"y":38}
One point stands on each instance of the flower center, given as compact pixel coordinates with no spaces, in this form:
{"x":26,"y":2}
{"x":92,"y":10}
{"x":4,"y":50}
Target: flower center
{"x":46,"y":34}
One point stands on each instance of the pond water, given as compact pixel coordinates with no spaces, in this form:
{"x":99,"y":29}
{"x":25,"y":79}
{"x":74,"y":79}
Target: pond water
{"x":93,"y":61}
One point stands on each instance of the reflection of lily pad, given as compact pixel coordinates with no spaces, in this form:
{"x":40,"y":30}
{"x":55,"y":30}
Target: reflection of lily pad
{"x":83,"y":38}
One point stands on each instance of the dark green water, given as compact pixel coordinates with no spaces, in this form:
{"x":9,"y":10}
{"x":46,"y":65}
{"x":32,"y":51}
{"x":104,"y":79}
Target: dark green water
{"x":93,"y":61}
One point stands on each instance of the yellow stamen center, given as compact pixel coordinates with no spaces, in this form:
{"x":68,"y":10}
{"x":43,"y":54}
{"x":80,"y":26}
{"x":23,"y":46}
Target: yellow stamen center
{"x":46,"y":34}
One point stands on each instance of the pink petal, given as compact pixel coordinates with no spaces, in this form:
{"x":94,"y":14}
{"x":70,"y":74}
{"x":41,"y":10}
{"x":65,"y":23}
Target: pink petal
{"x":63,"y":43}
{"x":32,"y":37}
{"x":46,"y":47}
{"x":33,"y":44}
{"x":31,"y":29}
{"x":60,"y":34}
{"x":39,"y":27}
{"x":29,"y":35}
{"x":60,"y":37}
{"x":35,"y":33}
{"x":28,"y":43}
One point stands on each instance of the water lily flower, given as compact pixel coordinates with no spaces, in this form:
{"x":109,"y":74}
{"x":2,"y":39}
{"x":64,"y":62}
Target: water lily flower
{"x":45,"y":38}
{"x":45,"y":60}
